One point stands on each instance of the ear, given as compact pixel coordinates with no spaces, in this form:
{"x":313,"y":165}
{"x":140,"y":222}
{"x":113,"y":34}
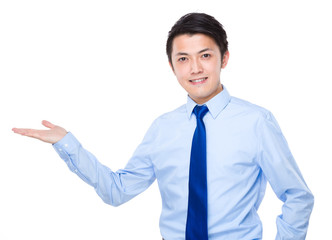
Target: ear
{"x":225,"y":60}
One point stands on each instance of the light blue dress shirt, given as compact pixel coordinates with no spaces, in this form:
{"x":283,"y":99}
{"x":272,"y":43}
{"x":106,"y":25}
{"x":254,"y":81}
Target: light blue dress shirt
{"x":245,"y":149}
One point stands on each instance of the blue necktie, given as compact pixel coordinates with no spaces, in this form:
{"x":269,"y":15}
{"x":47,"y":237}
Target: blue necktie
{"x":197,"y":228}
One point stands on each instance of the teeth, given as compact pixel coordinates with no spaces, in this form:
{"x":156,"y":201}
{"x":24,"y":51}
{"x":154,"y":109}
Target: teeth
{"x":198,"y":80}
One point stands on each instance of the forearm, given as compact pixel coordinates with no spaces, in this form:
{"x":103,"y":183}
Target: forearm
{"x":114,"y":188}
{"x":105,"y":182}
{"x":285,"y":178}
{"x":293,"y":223}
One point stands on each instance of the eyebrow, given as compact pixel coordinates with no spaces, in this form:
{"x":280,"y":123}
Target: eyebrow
{"x":203,"y":50}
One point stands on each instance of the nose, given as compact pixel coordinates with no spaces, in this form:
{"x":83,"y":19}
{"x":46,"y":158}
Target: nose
{"x":196,"y":66}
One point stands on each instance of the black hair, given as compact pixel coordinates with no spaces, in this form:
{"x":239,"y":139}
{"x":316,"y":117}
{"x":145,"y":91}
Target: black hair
{"x":193,"y":23}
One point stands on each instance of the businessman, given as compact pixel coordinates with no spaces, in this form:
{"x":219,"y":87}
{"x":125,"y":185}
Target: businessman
{"x":212,"y":156}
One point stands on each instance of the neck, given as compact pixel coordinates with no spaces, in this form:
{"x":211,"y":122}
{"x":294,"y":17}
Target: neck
{"x":201,"y":101}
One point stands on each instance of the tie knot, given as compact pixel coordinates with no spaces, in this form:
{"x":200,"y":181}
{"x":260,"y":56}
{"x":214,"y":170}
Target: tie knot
{"x":200,"y":111}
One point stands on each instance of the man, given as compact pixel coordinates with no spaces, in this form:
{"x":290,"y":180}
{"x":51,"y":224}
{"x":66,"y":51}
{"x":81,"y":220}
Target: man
{"x":212,"y":157}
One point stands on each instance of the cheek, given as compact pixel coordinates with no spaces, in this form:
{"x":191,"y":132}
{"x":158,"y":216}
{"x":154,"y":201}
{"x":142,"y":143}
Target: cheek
{"x":181,"y":73}
{"x":214,"y":69}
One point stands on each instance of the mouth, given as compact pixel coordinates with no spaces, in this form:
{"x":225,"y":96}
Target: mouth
{"x":198,"y":81}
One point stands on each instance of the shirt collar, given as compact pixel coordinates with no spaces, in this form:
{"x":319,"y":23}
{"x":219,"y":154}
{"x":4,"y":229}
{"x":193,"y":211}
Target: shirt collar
{"x":215,"y":105}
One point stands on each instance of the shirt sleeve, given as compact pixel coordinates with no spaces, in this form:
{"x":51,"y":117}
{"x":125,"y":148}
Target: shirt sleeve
{"x":285,"y":178}
{"x":114,"y":188}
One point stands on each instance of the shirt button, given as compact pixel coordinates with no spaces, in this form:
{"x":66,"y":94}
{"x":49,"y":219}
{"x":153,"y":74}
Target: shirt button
{"x":66,"y":145}
{"x":60,"y":149}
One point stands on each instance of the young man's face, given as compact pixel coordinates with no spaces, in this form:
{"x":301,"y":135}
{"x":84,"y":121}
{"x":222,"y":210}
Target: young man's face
{"x":197,"y":64}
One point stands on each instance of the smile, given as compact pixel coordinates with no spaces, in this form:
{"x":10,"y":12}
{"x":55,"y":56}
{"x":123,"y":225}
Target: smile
{"x":198,"y":80}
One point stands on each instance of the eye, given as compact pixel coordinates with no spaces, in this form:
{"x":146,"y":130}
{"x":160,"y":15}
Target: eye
{"x":206,"y":55}
{"x":182,"y":59}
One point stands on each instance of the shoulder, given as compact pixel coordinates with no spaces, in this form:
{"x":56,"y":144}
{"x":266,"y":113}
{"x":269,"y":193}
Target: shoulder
{"x":239,"y":106}
{"x":168,"y":121}
{"x":175,"y":114}
{"x":262,"y":118}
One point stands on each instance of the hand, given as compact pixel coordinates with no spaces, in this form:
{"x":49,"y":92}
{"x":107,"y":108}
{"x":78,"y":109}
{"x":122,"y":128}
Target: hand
{"x":53,"y":135}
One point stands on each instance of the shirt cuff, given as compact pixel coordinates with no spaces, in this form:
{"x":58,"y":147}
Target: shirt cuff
{"x":67,"y":145}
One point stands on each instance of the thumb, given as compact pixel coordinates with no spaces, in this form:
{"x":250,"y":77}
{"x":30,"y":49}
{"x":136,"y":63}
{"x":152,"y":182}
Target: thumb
{"x":48,"y":124}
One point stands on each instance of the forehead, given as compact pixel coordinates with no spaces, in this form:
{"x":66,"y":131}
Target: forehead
{"x":193,"y":43}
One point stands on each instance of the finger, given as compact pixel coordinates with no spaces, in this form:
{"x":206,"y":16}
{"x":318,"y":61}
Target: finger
{"x":26,"y":132}
{"x":48,"y":124}
{"x":19,"y":130}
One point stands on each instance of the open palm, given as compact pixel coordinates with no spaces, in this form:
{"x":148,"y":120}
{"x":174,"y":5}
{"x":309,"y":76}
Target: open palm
{"x":52,"y":135}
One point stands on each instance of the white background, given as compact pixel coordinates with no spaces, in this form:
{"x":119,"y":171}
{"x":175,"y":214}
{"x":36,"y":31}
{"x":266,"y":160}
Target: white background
{"x":100,"y":70}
